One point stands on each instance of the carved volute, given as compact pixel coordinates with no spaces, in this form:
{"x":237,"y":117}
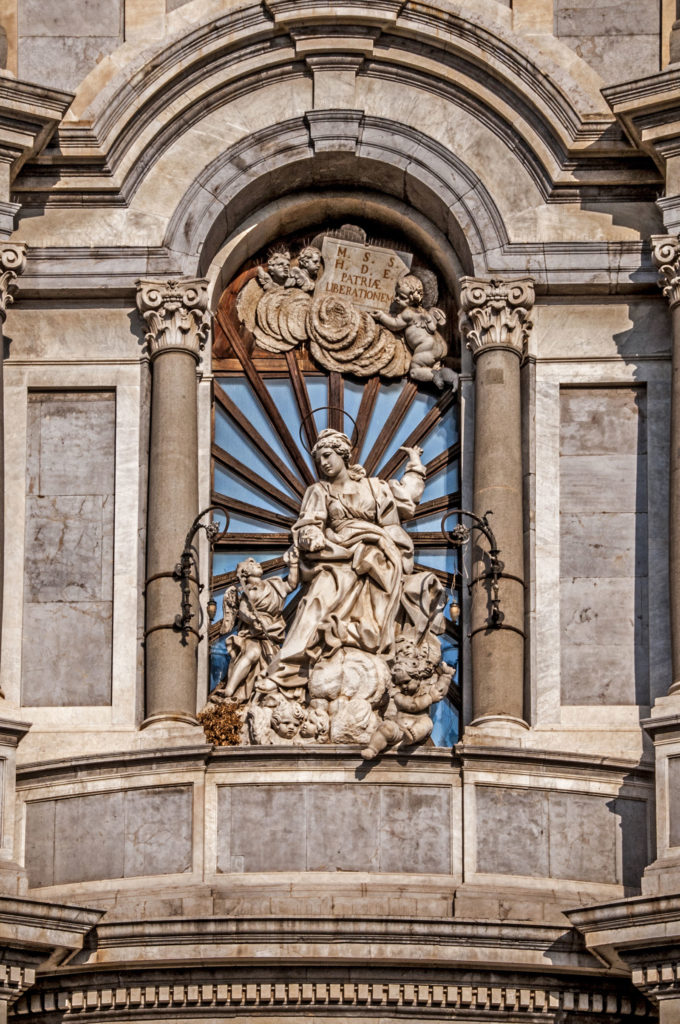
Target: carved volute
{"x":496,"y":313}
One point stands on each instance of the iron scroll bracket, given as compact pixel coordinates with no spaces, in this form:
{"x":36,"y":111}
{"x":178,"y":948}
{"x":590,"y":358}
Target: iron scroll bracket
{"x":183,"y":571}
{"x":460,"y":535}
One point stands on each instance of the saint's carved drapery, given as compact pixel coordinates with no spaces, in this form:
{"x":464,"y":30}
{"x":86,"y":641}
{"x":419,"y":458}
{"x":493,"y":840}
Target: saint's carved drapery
{"x":335,"y":450}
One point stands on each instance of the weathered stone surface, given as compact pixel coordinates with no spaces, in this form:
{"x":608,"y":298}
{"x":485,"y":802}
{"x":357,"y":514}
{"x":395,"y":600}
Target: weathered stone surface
{"x":123,"y":834}
{"x":68,"y":565}
{"x":260,"y":828}
{"x":64,"y":548}
{"x":674,"y":801}
{"x":326,"y":827}
{"x":63,"y":61}
{"x":503,"y":847}
{"x":601,"y":421}
{"x":563,"y":834}
{"x":70,"y":18}
{"x":582,"y":839}
{"x":66,"y":654}
{"x":158,"y":837}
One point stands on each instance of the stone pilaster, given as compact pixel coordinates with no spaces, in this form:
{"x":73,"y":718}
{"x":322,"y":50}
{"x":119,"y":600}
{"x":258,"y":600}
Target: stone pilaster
{"x":495,"y":323}
{"x":178,"y":325}
{"x":12,"y":265}
{"x":666,"y":254}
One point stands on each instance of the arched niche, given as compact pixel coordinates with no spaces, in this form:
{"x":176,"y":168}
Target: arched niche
{"x":273,"y":397}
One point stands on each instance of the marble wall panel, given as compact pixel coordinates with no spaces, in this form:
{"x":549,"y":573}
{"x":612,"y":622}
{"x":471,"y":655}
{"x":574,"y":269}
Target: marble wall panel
{"x":674,"y":801}
{"x":561,"y":834}
{"x":504,"y":846}
{"x":59,"y":43}
{"x":68,"y":565}
{"x":330,"y":827}
{"x":612,"y":37}
{"x":604,"y":603}
{"x":124,"y":834}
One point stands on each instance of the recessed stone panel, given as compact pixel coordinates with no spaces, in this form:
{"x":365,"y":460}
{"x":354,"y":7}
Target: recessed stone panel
{"x":66,"y":654}
{"x":124,"y":834}
{"x":415,"y":829}
{"x":158,"y":831}
{"x":261,"y":828}
{"x":512,"y":831}
{"x":70,"y":18}
{"x":602,"y":421}
{"x":89,"y":838}
{"x":582,"y":839}
{"x":604,"y":606}
{"x":68,"y":560}
{"x":561,"y":834}
{"x":607,"y":545}
{"x":40,"y":842}
{"x":344,"y":828}
{"x":674,"y":801}
{"x":334,"y":827}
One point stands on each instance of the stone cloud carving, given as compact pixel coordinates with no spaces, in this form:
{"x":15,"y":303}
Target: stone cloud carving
{"x":360,"y":661}
{"x":357,"y":306}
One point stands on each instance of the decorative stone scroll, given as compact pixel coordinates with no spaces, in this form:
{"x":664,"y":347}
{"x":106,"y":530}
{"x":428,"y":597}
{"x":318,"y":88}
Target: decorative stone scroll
{"x":176,"y":313}
{"x":496,"y":313}
{"x":12,"y":264}
{"x":357,"y":306}
{"x":360,"y":661}
{"x":666,"y":256}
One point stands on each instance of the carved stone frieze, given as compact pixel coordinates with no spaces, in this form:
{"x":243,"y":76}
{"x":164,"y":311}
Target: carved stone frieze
{"x":176,"y":314}
{"x":495,"y":314}
{"x":666,"y":256}
{"x":12,"y":264}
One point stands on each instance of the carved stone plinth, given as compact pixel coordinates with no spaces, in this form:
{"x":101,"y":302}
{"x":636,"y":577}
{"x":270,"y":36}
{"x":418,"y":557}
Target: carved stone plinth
{"x":178,"y":323}
{"x":495,"y":323}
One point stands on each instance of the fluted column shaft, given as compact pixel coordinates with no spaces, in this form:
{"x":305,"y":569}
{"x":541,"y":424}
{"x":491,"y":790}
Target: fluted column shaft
{"x":666,"y":253}
{"x":495,"y":323}
{"x":12,"y":264}
{"x":178,"y":324}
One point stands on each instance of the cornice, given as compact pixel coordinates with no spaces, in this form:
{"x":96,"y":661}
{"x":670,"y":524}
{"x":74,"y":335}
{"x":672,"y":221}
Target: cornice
{"x":562,"y":131}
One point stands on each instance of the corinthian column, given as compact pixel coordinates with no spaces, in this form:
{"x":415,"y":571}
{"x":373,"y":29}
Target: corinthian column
{"x":495,"y":323}
{"x":666,"y":254}
{"x":178,"y":324}
{"x":12,"y":264}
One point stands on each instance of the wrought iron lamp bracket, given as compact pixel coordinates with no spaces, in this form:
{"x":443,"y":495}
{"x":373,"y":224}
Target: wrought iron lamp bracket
{"x":183,"y":569}
{"x":460,"y":535}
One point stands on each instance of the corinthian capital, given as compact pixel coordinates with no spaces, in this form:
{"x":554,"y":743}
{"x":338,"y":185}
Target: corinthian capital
{"x":12,"y":263}
{"x":176,"y":314}
{"x":495,"y":314}
{"x":666,"y":256}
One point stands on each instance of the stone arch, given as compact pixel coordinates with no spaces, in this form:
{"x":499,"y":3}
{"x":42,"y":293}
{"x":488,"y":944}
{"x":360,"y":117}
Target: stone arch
{"x":315,"y":159}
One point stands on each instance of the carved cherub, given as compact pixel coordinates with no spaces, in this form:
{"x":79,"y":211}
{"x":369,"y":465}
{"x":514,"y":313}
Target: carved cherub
{"x":277,"y":274}
{"x":417,"y":682}
{"x":256,"y":604}
{"x":305,"y":274}
{"x":419,"y":326}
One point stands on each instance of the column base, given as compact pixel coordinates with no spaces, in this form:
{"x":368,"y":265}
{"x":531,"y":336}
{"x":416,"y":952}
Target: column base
{"x":662,"y":877}
{"x":491,"y":728}
{"x":169,"y":729}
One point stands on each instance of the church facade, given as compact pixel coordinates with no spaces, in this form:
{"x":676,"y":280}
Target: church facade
{"x":340,"y":656}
